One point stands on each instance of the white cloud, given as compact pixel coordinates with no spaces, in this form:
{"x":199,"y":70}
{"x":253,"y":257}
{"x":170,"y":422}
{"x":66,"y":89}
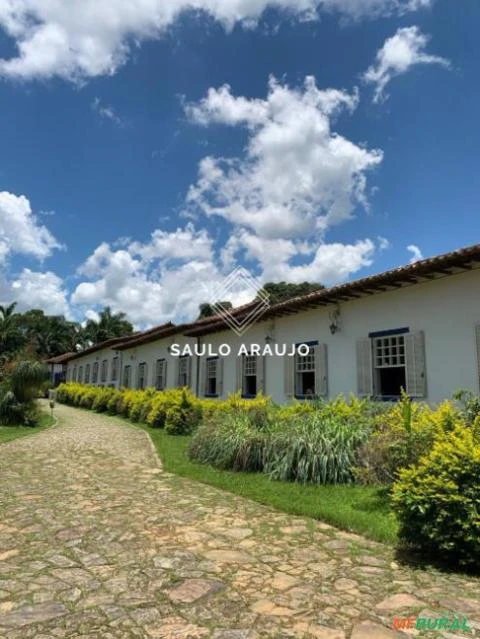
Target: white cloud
{"x":80,"y":39}
{"x":40,"y":290}
{"x":20,"y":230}
{"x":294,"y":261}
{"x":383,"y":243}
{"x":106,"y":112}
{"x":152,"y":282}
{"x":416,"y":253}
{"x":398,"y":54}
{"x":297,"y":177}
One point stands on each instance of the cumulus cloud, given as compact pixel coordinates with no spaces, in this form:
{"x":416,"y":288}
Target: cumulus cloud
{"x":152,"y":282}
{"x":416,"y":253}
{"x":20,"y":230}
{"x":40,"y":290}
{"x":81,"y":39}
{"x":398,"y":54}
{"x":297,"y":176}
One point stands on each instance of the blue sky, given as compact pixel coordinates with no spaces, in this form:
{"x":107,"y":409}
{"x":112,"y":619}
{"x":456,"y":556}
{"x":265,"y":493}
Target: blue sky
{"x":130,"y":175}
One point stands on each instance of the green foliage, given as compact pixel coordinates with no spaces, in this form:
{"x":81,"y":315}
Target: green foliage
{"x":401,"y":435}
{"x":469,"y":405}
{"x":25,"y":380}
{"x":20,"y":386}
{"x":281,"y":291}
{"x":108,"y":326}
{"x":184,"y":417}
{"x":11,"y":338}
{"x":437,"y":501}
{"x":316,"y":445}
{"x":207,"y":310}
{"x":178,"y":410}
{"x":102,"y":399}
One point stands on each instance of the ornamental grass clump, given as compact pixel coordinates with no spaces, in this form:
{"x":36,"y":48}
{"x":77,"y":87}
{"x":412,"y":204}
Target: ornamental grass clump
{"x":295,"y":443}
{"x":230,"y":443}
{"x":315,"y":449}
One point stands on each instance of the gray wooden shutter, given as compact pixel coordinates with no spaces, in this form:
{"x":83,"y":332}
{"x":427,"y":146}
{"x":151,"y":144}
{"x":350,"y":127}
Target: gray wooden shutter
{"x":288,"y":371}
{"x":364,"y":368}
{"x":477,"y":341}
{"x":202,"y":382}
{"x":321,"y":370}
{"x":239,"y":374}
{"x":164,"y":373}
{"x":189,"y":372}
{"x":220,"y":376}
{"x":261,"y":374}
{"x":415,"y":364}
{"x":177,"y":371}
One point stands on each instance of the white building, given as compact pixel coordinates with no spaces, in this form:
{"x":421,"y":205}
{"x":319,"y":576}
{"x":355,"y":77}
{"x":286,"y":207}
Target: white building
{"x":416,"y":327}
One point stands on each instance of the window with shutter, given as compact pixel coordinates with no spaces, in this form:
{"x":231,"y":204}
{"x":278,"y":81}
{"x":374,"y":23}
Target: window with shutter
{"x":95,"y":373}
{"x":127,"y":374}
{"x":249,"y":375}
{"x":80,"y":374}
{"x":114,"y":369}
{"x":211,"y":377}
{"x":184,"y":370}
{"x":142,"y":376}
{"x":160,"y":374}
{"x":87,"y":374}
{"x":305,"y":368}
{"x":104,"y":370}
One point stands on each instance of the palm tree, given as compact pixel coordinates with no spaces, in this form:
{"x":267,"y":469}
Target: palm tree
{"x":109,"y":325}
{"x":11,"y":338}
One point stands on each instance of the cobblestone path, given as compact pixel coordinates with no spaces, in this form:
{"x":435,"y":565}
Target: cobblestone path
{"x":97,"y":541}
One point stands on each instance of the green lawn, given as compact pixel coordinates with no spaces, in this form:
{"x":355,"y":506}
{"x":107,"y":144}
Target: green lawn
{"x":360,"y":509}
{"x":8,"y":433}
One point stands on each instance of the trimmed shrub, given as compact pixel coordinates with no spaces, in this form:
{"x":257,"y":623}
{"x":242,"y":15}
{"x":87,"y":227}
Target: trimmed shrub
{"x":437,"y":502}
{"x":102,"y":399}
{"x":184,"y":417}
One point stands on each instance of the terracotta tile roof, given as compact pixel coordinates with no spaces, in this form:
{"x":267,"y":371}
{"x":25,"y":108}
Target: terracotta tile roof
{"x":423,"y":270}
{"x":59,"y":359}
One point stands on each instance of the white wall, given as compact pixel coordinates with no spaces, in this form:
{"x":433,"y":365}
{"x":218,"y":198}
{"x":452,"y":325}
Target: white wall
{"x":446,"y":310}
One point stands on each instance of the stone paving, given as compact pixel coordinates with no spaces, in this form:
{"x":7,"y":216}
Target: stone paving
{"x":97,"y":541}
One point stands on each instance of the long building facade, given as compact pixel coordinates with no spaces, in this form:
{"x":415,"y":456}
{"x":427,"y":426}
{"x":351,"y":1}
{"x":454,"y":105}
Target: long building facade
{"x":415,"y":327}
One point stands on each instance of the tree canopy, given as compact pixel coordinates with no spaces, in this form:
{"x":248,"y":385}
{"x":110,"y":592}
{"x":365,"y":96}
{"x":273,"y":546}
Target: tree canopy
{"x":35,"y":335}
{"x":281,"y":291}
{"x":207,"y":310}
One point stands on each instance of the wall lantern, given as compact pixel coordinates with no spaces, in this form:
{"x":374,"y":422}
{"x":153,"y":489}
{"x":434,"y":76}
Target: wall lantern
{"x":334,"y":321}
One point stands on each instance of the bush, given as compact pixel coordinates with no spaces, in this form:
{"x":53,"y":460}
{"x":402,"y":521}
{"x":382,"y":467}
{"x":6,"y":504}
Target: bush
{"x":184,"y":417}
{"x":102,"y":399}
{"x":437,"y":502}
{"x":401,"y":435}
